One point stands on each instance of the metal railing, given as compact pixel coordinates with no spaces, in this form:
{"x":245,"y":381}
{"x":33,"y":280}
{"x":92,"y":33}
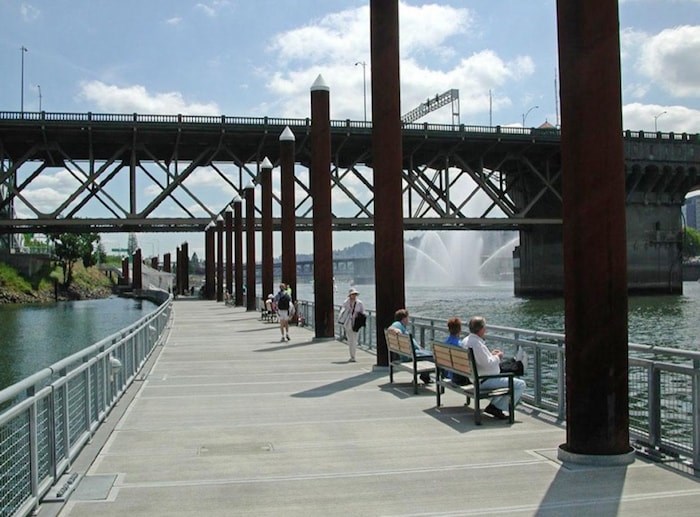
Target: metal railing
{"x":46,"y":419}
{"x":278,"y":122}
{"x":664,"y":383}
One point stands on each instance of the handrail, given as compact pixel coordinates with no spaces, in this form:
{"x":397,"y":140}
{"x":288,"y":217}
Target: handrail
{"x":225,"y":120}
{"x":49,"y":416}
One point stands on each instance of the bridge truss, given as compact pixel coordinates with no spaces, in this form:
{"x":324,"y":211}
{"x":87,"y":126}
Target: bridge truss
{"x":131,"y":173}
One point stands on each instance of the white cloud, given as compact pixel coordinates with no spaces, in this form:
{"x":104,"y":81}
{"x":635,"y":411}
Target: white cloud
{"x":136,"y":99}
{"x":671,"y":59}
{"x":332,"y":45}
{"x":212,"y":8}
{"x":29,"y":12}
{"x":678,"y":119}
{"x":175,"y":20}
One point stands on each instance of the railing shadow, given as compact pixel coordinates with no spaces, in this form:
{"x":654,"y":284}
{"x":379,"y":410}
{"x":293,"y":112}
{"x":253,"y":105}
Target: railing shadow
{"x":338,"y":386}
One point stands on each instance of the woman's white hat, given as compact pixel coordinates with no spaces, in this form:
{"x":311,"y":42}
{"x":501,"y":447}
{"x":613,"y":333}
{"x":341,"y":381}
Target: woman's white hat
{"x":353,"y":291}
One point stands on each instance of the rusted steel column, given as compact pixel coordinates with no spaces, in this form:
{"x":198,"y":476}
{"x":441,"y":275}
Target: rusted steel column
{"x":185,"y":267}
{"x":238,"y":237}
{"x":138,"y":281}
{"x":209,"y":273}
{"x":387,"y":167}
{"x":289,"y":239}
{"x":250,"y":296}
{"x":322,"y":222}
{"x":167,"y":266}
{"x":178,"y":270}
{"x":595,"y":258}
{"x":154,"y":262}
{"x":266,"y":186}
{"x":228,"y":222}
{"x":219,"y":258}
{"x":125,"y":270}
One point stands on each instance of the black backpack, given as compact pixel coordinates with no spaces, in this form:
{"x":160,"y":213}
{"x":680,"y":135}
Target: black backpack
{"x":283,"y":303}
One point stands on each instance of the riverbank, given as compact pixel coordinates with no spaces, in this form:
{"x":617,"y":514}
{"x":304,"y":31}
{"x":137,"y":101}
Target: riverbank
{"x":88,"y":284}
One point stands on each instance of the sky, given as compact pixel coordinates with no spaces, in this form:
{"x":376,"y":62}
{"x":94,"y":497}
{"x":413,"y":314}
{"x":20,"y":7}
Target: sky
{"x":260,"y":57}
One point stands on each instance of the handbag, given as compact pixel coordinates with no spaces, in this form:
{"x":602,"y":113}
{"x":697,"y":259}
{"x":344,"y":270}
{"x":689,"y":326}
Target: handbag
{"x":512,"y":365}
{"x":360,"y":321}
{"x":343,"y":316}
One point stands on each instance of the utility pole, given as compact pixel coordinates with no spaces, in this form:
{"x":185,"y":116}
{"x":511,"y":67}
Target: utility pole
{"x":23,"y":49}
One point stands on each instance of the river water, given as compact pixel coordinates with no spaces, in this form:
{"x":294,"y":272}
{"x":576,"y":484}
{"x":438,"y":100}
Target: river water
{"x":33,"y":337}
{"x":671,"y":320}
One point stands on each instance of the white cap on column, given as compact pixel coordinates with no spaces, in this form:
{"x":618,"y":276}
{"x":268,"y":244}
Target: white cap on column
{"x":287,"y":135}
{"x":320,"y":84}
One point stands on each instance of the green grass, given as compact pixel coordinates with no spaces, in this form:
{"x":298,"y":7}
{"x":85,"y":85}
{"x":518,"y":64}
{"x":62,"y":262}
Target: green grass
{"x":11,"y":280}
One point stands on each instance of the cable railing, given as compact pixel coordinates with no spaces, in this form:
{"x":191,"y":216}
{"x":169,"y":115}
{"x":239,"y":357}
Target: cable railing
{"x":47,"y":418}
{"x":664,"y":383}
{"x":276,"y":122}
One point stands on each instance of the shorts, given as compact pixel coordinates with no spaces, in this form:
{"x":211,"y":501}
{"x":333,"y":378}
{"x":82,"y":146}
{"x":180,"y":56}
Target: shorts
{"x":283,"y":314}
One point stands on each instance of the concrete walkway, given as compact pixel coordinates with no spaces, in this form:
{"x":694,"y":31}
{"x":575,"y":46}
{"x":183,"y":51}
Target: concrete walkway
{"x":230,"y":421}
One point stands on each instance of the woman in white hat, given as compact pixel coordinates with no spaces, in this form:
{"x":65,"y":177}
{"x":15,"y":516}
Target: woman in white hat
{"x":351,"y":308}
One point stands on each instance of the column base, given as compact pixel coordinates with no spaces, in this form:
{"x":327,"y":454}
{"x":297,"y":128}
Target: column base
{"x":596,"y":460}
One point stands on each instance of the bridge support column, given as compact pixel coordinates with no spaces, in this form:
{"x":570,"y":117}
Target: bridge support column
{"x":289,"y":243}
{"x":595,"y":266}
{"x":219,"y":258}
{"x":250,"y":296}
{"x":209,"y":273}
{"x":388,"y":163}
{"x":266,"y":234}
{"x":238,"y":253}
{"x":137,"y":280}
{"x":228,"y":223}
{"x":322,"y":217}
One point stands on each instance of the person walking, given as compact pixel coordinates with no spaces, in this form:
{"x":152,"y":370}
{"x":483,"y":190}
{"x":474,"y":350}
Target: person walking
{"x":282,"y":302}
{"x":352,"y":307}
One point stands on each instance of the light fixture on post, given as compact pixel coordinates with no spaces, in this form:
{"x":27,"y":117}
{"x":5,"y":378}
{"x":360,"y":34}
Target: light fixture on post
{"x":527,"y":113}
{"x":656,"y":117}
{"x":364,"y":85}
{"x":22,"y":49}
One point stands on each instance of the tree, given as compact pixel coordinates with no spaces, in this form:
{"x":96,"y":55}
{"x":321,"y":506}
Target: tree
{"x":70,"y":247}
{"x":691,"y":242}
{"x":132,"y":244}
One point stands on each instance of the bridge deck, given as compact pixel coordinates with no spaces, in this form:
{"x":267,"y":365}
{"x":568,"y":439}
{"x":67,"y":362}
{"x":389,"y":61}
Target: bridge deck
{"x":230,"y":421}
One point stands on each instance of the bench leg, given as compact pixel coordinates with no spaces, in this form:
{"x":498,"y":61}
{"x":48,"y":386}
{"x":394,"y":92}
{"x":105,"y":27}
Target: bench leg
{"x":415,"y":382}
{"x":477,"y":411}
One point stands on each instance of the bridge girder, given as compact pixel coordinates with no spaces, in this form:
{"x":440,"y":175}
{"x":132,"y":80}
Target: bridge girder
{"x":455,"y":177}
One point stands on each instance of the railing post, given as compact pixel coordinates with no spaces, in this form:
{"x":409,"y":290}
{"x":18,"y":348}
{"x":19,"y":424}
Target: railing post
{"x":654,"y":395}
{"x":33,"y":448}
{"x":696,"y":414}
{"x":561,"y":381}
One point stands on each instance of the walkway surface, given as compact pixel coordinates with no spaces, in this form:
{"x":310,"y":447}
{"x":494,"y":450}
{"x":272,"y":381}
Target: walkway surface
{"x":230,"y":421}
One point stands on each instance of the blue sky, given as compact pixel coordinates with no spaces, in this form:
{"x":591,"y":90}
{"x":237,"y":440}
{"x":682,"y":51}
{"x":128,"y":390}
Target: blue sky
{"x":256,"y":58}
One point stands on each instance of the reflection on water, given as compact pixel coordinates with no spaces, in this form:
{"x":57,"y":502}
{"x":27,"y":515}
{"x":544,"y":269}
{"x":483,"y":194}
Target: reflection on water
{"x":33,"y":337}
{"x":668,"y":320}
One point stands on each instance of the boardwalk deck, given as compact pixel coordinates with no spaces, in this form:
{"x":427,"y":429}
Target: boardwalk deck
{"x":229,"y":421}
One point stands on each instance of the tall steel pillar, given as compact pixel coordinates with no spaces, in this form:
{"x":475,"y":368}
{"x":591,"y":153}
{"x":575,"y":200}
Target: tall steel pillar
{"x":595,"y":256}
{"x":250,"y":296}
{"x":289,"y":243}
{"x":137,"y":280}
{"x":125,"y":270}
{"x":324,"y":318}
{"x":228,"y":222}
{"x":167,"y":267}
{"x":209,"y":272}
{"x":388,"y":162}
{"x":238,"y":238}
{"x":219,"y":258}
{"x":266,"y":234}
{"x":185,"y":267}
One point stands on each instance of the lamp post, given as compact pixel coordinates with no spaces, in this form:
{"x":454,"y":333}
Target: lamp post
{"x":23,"y":49}
{"x":364,"y":85}
{"x":38,"y":86}
{"x":527,"y":113}
{"x":656,"y":117}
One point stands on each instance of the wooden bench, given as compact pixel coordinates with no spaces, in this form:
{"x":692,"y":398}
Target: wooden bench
{"x":405,"y":358}
{"x":450,"y":358}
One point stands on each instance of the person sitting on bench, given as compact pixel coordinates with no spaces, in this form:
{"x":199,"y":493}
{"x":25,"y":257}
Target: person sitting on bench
{"x":488,"y":363}
{"x":400,"y":326}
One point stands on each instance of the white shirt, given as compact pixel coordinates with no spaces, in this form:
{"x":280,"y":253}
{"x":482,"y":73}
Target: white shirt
{"x":486,"y":362}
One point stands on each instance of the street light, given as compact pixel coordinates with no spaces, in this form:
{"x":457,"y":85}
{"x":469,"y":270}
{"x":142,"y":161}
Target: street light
{"x":364,"y":85}
{"x":39,"y":88}
{"x":22,"y":49}
{"x":527,"y":113}
{"x":656,"y":118}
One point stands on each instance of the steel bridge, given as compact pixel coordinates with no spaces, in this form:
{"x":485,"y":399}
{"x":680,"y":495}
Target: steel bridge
{"x":455,"y":176}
